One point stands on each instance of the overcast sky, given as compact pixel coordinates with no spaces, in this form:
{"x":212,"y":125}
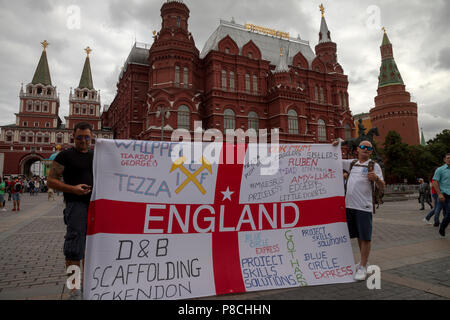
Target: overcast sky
{"x":417,"y":29}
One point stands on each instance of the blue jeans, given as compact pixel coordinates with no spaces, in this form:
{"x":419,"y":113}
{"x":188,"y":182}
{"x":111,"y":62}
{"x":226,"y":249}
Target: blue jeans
{"x":446,"y":220}
{"x":436,"y":210}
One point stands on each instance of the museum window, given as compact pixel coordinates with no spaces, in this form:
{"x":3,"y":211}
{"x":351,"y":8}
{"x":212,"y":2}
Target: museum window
{"x":316,"y":94}
{"x":224,"y":80}
{"x":186,"y":77}
{"x":255,"y":84}
{"x":253,"y":122}
{"x":293,"y":122}
{"x":247,"y":83}
{"x":229,"y":119}
{"x":321,"y":130}
{"x":184,"y":115}
{"x":322,"y":97}
{"x":177,"y":76}
{"x":347,"y":132}
{"x":231,"y":81}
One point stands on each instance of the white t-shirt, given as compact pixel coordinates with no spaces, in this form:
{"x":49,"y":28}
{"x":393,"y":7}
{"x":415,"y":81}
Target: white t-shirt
{"x":359,"y":191}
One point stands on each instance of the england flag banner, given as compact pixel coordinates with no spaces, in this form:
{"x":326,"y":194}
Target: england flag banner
{"x":163,"y":227}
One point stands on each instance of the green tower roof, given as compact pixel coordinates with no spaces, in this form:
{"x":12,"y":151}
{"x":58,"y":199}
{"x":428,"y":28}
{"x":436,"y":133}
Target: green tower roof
{"x":389,"y":73}
{"x":42,"y":73}
{"x":86,"y":76}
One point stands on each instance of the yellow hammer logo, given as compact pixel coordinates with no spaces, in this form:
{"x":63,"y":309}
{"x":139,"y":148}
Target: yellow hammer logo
{"x":191,"y":177}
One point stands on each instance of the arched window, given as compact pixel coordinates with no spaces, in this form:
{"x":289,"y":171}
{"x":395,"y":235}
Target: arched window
{"x":231,"y":81}
{"x":316,"y":94}
{"x":37,"y":106}
{"x":184,"y":116}
{"x":322,"y":95}
{"x":186,"y":77}
{"x":177,"y":75}
{"x":293,"y":122}
{"x":321,"y":130}
{"x":9,"y":136}
{"x":224,"y":80}
{"x":59,"y":138}
{"x":255,"y":84}
{"x":347,"y":132}
{"x":229,"y":119}
{"x":253,"y":122}
{"x":247,"y":83}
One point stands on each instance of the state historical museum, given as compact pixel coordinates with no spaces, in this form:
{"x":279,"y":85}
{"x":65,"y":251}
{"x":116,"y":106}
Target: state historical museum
{"x":245,"y":77}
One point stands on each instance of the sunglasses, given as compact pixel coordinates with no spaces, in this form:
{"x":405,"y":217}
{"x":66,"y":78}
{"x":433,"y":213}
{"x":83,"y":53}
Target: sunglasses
{"x":87,"y":138}
{"x":366,"y":147}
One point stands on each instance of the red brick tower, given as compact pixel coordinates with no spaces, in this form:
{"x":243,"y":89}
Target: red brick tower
{"x":173,"y":75}
{"x":393,"y":110}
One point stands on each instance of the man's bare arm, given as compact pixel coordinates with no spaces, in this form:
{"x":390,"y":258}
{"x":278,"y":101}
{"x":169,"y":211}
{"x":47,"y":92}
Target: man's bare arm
{"x":54,"y":181}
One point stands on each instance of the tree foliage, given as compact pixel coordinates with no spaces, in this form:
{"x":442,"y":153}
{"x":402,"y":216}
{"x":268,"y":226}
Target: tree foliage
{"x":403,"y":161}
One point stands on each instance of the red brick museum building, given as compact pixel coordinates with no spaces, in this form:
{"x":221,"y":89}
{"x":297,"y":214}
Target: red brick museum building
{"x":245,"y":77}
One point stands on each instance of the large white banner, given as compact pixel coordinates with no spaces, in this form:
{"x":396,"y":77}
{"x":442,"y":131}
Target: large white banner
{"x":165,"y":229}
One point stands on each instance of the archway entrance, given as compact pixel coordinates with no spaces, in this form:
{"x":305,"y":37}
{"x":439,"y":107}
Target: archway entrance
{"x":32,"y":165}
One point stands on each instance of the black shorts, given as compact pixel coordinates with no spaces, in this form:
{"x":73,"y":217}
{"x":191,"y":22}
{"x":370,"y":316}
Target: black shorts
{"x":75,"y":218}
{"x":359,"y":224}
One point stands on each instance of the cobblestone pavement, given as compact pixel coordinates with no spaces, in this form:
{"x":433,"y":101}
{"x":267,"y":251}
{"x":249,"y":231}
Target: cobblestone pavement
{"x":414,"y":259}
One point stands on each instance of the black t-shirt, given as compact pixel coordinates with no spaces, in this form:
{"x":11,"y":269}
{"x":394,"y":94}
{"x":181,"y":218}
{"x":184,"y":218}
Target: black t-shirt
{"x":77,"y":170}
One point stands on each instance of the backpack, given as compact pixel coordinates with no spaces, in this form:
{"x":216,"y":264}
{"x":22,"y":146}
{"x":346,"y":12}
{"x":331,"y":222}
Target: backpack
{"x":377,"y":192}
{"x":17,"y":187}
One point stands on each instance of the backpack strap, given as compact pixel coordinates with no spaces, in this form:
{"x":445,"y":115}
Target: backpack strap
{"x":349,"y":172}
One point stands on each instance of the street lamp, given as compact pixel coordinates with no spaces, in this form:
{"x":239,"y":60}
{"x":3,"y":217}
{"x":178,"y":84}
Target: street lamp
{"x":164,"y":113}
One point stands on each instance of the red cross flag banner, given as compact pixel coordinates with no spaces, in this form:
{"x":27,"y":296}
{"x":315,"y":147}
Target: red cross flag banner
{"x":163,"y":228}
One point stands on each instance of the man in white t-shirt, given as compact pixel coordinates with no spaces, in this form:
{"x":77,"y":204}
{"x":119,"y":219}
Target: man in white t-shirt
{"x":359,"y":203}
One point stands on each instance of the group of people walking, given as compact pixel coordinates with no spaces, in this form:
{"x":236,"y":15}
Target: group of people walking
{"x":12,"y":189}
{"x":439,"y":191}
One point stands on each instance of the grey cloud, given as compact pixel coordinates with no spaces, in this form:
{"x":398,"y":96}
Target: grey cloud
{"x":444,"y":58}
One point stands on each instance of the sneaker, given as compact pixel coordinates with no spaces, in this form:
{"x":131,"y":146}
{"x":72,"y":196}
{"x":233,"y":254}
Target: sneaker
{"x":4,"y":209}
{"x":442,"y":232}
{"x":14,"y":209}
{"x":75,"y":294}
{"x":427,"y":221}
{"x":361,"y":274}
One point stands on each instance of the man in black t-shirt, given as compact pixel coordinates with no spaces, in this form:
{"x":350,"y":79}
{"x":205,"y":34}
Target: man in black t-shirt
{"x":75,"y":167}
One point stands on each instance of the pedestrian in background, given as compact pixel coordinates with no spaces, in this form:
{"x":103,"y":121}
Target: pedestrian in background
{"x":2,"y":194}
{"x":441,"y":183}
{"x":437,"y":205}
{"x":424,"y":194}
{"x":16,"y":190}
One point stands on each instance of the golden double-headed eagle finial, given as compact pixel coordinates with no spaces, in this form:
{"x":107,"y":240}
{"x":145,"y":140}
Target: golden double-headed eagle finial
{"x":88,"y":51}
{"x":384,"y":29}
{"x":44,"y":44}
{"x":322,"y":9}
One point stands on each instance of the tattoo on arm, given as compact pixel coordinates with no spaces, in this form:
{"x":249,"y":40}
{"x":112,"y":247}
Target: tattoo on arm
{"x":56,"y":171}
